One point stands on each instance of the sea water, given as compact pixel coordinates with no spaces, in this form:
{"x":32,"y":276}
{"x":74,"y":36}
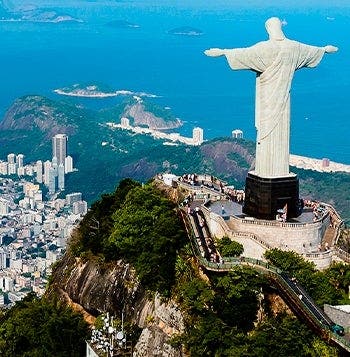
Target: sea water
{"x":37,"y":58}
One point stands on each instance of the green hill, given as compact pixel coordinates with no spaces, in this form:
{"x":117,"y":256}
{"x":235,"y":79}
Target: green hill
{"x":103,"y":156}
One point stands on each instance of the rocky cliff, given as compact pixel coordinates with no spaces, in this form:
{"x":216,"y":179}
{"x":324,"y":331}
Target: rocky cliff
{"x":142,"y":117}
{"x":94,"y":288}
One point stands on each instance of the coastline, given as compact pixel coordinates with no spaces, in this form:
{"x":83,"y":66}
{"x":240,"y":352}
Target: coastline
{"x":298,"y":161}
{"x":320,"y":165}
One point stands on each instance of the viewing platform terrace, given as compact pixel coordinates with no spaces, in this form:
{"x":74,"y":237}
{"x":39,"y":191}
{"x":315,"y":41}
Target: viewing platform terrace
{"x":313,"y":233}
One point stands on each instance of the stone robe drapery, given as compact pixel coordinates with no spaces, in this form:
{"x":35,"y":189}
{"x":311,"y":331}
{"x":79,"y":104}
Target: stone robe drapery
{"x":275,"y":62}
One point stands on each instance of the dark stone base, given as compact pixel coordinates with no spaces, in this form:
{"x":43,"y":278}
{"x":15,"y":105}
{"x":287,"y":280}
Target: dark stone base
{"x":265,"y":196}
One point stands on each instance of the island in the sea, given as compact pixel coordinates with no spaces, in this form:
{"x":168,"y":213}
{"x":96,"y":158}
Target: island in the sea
{"x":186,"y":31}
{"x":93,"y":90}
{"x":89,"y":91}
{"x":122,"y":24}
{"x":33,"y":14}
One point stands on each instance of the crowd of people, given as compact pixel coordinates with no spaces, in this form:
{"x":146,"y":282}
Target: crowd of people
{"x":234,"y":195}
{"x":317,"y":207}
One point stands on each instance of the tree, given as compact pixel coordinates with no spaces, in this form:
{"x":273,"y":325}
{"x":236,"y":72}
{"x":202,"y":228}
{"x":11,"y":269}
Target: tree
{"x":148,"y":233}
{"x":284,"y":335}
{"x":229,"y":248}
{"x":37,"y":327}
{"x":316,"y":283}
{"x":236,"y":297}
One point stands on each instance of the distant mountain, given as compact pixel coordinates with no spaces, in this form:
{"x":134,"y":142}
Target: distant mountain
{"x":9,"y":12}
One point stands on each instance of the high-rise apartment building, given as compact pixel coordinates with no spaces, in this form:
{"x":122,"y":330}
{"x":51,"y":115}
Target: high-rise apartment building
{"x":59,"y":147}
{"x":47,"y":167}
{"x":73,"y":197}
{"x":197,"y":135}
{"x":11,"y":158}
{"x":39,"y":171}
{"x":68,"y":164}
{"x":52,"y":181}
{"x":79,"y":207}
{"x":54,"y":165}
{"x":12,"y":167}
{"x":19,"y":160}
{"x":61,"y":177}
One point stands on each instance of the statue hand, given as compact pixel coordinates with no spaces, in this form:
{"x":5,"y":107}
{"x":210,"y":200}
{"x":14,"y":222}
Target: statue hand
{"x":330,"y":49}
{"x":214,"y":52}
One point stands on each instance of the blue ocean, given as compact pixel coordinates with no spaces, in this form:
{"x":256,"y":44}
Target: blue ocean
{"x":37,"y":58}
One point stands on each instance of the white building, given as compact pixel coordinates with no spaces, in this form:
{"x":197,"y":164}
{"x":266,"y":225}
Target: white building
{"x":59,"y":147}
{"x":39,"y":171}
{"x":237,"y":134}
{"x":12,"y":168}
{"x":21,"y":171}
{"x":73,"y":197}
{"x":4,"y":168}
{"x":61,"y":177}
{"x":52,"y":181}
{"x":47,"y":167}
{"x":54,"y":165}
{"x":29,"y":170}
{"x":11,"y":158}
{"x":4,"y":207}
{"x":19,"y":160}
{"x":2,"y":300}
{"x":3,"y":256}
{"x":125,"y":122}
{"x":197,"y":136}
{"x":79,"y":207}
{"x":68,"y":164}
{"x":6,"y":283}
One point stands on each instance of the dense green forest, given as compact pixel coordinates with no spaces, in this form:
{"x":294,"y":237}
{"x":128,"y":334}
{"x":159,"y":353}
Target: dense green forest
{"x":226,"y":314}
{"x":41,"y":328}
{"x":138,"y":224}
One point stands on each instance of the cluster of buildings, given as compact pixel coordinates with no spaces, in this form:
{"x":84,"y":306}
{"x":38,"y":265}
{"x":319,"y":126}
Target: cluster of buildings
{"x":33,"y":235}
{"x":34,"y":231}
{"x":50,"y":173}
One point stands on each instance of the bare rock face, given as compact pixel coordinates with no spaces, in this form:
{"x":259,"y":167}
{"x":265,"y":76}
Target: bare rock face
{"x":94,"y":288}
{"x":163,"y":320}
{"x":142,"y":117}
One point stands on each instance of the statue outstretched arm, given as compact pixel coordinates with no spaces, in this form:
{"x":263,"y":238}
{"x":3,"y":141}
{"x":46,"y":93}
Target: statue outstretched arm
{"x":215,"y":52}
{"x":330,"y":49}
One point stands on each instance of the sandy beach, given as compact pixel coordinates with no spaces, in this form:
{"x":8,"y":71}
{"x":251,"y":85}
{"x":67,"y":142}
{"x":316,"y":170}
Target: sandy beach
{"x":321,"y":165}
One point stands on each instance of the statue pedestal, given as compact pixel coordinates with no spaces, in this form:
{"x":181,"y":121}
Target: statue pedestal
{"x":265,"y":196}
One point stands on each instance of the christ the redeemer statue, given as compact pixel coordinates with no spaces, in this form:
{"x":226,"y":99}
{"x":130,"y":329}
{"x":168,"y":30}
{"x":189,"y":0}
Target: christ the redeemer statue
{"x":274,"y":62}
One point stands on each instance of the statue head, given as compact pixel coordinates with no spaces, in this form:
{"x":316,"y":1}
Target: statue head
{"x":274,"y":28}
